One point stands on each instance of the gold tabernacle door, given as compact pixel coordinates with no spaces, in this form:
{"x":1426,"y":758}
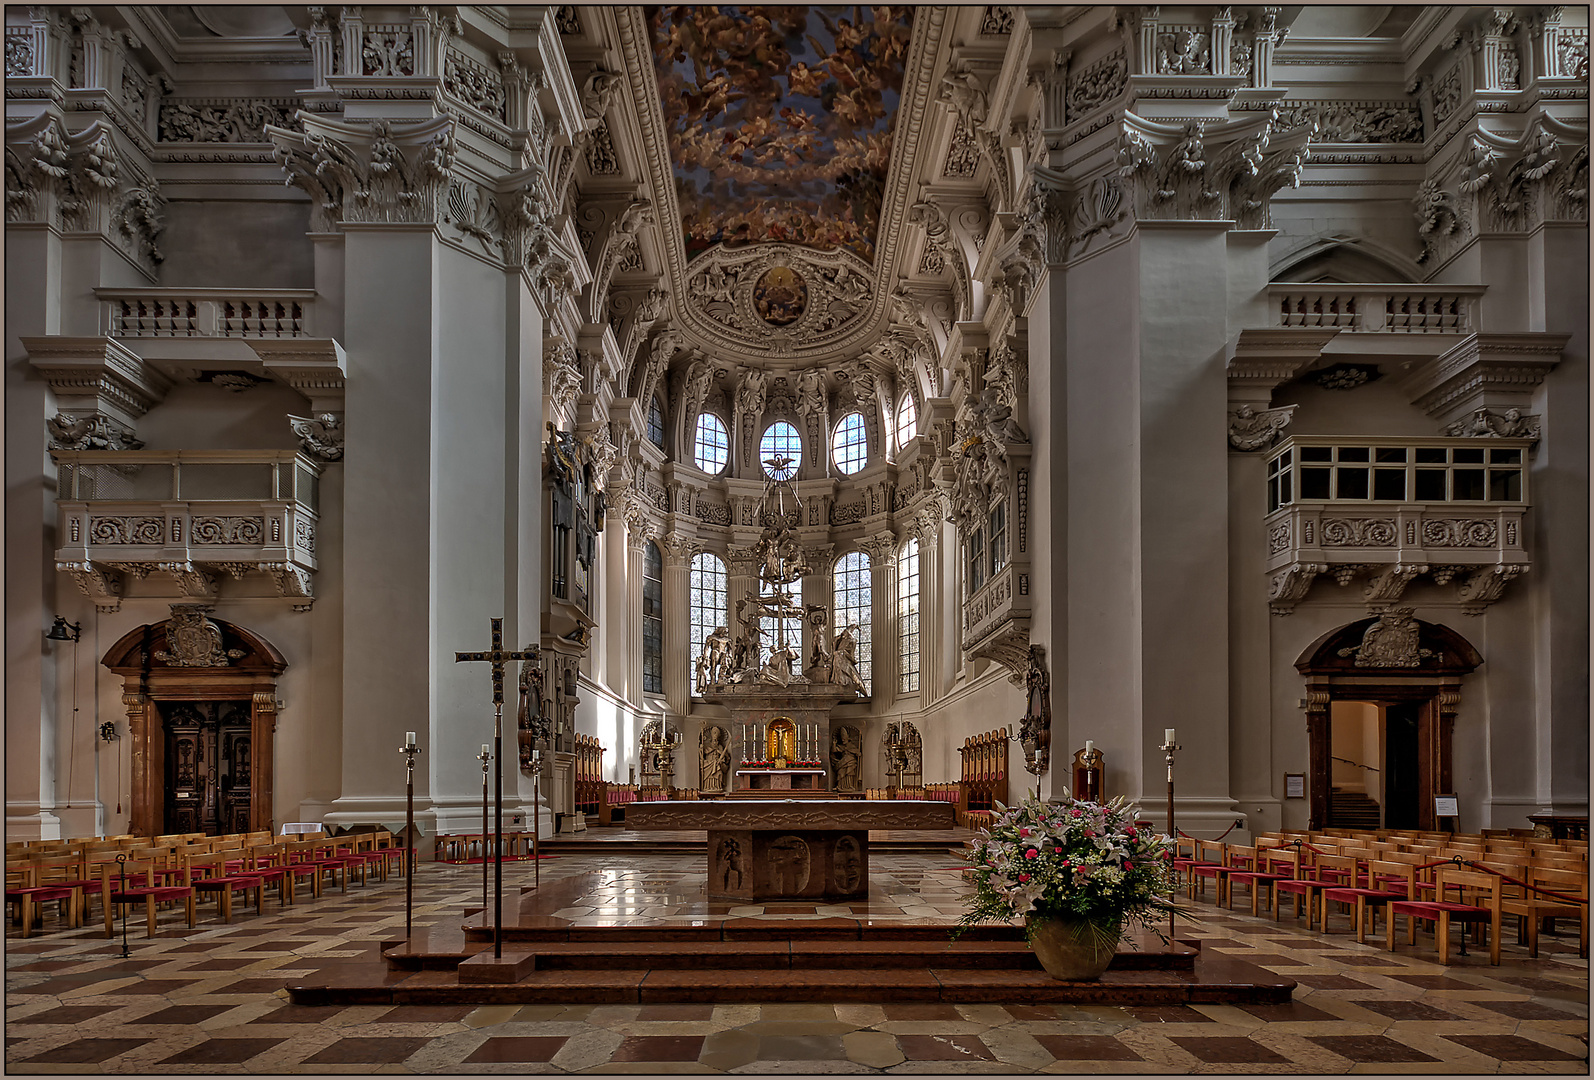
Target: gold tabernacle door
{"x":780,"y":741}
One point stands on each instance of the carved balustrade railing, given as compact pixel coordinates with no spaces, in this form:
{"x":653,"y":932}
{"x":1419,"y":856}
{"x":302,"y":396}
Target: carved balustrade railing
{"x":190,"y":514}
{"x":225,"y":313}
{"x":1394,"y":510}
{"x":991,"y":605}
{"x":1402,"y":309}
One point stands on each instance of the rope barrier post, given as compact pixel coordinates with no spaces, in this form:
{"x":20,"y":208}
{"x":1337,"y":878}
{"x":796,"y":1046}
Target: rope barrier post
{"x":121,"y":866}
{"x":1168,"y":747}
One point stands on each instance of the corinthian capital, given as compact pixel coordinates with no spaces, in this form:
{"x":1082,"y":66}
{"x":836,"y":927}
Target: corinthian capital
{"x":381,"y":172}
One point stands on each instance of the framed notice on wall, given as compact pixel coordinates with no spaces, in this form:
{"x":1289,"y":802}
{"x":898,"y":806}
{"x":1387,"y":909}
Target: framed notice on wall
{"x":1295,"y":785}
{"x":1444,"y":806}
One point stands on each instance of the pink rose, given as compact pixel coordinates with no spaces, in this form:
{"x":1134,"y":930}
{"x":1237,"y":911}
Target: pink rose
{"x":1023,"y":832}
{"x":1023,"y":878}
{"x":1078,"y":813}
{"x":1031,"y":853}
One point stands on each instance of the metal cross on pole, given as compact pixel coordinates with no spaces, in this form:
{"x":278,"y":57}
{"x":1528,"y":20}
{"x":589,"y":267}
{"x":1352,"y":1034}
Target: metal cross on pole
{"x":497,"y":657}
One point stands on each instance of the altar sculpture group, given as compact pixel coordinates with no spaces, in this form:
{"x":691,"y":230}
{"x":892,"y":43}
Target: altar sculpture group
{"x":725,"y":661}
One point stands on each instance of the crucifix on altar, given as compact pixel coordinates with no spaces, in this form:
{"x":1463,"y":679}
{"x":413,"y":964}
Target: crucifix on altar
{"x":497,"y":657}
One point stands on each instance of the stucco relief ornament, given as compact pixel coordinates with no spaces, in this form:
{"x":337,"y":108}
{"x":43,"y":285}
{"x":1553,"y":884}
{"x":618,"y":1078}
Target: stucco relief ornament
{"x":1439,"y":218}
{"x":320,"y":436}
{"x":1390,"y":642}
{"x":194,"y":641}
{"x":94,"y":431}
{"x":1486,"y":423}
{"x":1252,"y":430}
{"x":564,"y":375}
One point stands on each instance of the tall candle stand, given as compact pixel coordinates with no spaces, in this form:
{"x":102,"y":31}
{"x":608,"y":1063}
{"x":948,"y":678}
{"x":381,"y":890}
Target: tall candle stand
{"x":409,"y":750}
{"x":1168,"y":747}
{"x":484,"y":757}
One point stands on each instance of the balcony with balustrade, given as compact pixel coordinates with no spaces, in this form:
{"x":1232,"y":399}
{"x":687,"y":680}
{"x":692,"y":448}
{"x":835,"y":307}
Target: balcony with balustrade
{"x":187,"y":517}
{"x":1393,"y":510}
{"x":1378,"y":308}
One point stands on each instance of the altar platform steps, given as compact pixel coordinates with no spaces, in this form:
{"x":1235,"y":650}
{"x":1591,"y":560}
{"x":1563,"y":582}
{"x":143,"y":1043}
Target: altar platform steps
{"x":618,"y":841}
{"x":773,"y":961}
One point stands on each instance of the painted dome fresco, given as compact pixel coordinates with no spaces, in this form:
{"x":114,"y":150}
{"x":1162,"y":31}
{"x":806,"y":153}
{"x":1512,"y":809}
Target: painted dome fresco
{"x":780,"y":120}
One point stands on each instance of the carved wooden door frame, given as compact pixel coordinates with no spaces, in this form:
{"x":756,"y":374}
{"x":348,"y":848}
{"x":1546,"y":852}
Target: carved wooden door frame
{"x":1429,"y":671}
{"x":243,"y":667}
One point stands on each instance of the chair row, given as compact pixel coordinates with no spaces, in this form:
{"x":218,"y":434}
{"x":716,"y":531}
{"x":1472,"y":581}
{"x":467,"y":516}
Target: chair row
{"x":1444,"y":887}
{"x":149,"y":875}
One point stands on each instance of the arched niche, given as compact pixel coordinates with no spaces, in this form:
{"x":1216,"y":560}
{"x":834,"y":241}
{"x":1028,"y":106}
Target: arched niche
{"x":1392,"y":658}
{"x":180,"y":659}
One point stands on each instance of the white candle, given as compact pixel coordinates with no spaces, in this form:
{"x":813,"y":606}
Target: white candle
{"x":1090,"y":747}
{"x":409,"y":738}
{"x":485,"y":750}
{"x":1167,"y":736}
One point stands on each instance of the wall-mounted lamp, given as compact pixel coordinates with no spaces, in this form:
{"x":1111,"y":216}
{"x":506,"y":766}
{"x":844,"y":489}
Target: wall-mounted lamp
{"x":108,"y":732}
{"x":64,"y":631}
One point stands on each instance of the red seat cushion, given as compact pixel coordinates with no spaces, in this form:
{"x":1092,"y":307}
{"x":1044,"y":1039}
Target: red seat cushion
{"x":1430,"y":909}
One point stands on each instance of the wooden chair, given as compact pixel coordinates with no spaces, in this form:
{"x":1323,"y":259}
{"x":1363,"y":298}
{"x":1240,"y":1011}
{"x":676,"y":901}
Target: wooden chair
{"x":1385,"y":882}
{"x":265,"y":861}
{"x":208,"y":875}
{"x":1272,"y":865}
{"x":1532,"y":908}
{"x":1477,"y":902}
{"x":1217,"y":868}
{"x":135,"y":880}
{"x":23,"y":890}
{"x":1307,"y":885}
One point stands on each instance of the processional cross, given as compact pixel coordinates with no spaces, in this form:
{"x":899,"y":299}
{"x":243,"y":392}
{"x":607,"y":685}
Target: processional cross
{"x":497,"y":657}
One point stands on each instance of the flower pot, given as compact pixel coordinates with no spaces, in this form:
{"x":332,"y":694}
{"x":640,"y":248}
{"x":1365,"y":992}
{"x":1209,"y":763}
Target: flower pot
{"x":1073,"y":949}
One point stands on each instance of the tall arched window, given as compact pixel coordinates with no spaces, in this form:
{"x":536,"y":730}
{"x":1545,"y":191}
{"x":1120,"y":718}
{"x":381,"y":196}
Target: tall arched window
{"x":850,"y":444}
{"x":652,"y":620}
{"x":908,"y":618}
{"x":907,"y":421}
{"x":656,"y":423}
{"x":707,"y":601}
{"x":853,"y":603}
{"x":780,"y":441}
{"x":712,"y":447}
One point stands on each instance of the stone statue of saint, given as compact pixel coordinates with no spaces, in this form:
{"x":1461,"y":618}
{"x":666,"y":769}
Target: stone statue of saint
{"x":777,"y":669}
{"x":713,"y":756}
{"x":844,"y":660}
{"x":846,"y":746}
{"x":713,"y":664}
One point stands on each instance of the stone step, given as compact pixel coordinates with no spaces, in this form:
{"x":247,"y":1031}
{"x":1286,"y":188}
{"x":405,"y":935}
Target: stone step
{"x":1213,"y":980}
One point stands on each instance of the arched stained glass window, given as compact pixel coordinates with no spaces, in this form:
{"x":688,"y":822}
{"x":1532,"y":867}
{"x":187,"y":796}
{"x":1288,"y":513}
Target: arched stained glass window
{"x":652,"y":620}
{"x":712,"y":447}
{"x":850,"y":444}
{"x":908,"y":618}
{"x":707,"y":600}
{"x":853,"y":598}
{"x":656,"y":423}
{"x":780,"y":441}
{"x":907,"y":421}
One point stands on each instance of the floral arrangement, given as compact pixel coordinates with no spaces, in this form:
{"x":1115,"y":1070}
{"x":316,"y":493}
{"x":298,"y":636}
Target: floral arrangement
{"x":1073,"y":860}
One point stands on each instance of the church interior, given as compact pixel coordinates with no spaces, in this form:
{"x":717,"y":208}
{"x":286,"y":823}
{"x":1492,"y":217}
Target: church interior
{"x":785,"y":438}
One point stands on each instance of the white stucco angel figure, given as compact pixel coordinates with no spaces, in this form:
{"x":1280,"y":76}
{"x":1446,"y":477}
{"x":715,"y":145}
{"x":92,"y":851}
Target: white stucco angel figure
{"x":844,"y":660}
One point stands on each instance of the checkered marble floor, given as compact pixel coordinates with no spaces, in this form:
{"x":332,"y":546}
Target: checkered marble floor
{"x":210,"y":1000}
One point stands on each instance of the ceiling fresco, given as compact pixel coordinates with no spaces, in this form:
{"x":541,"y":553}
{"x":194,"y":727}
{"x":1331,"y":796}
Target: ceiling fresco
{"x":780,"y":119}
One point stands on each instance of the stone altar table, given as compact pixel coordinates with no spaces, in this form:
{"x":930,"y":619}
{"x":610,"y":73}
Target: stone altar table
{"x":789,"y":849}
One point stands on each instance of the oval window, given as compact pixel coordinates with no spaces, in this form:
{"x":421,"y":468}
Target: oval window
{"x":780,"y":450}
{"x":907,"y":421}
{"x":712,"y":446}
{"x":850,"y":444}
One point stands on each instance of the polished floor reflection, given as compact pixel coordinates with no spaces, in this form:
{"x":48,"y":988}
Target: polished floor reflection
{"x":210,"y":1000}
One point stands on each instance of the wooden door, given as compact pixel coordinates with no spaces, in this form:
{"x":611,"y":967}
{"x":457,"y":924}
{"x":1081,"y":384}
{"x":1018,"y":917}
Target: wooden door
{"x":207,"y":766}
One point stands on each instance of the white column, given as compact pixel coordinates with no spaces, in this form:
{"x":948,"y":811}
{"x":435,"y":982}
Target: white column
{"x":882,"y":552}
{"x":678,"y":550}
